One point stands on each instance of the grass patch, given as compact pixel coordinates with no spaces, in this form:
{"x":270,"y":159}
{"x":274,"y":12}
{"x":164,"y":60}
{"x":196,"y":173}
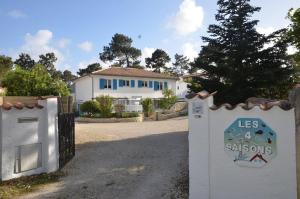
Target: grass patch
{"x":26,"y":184}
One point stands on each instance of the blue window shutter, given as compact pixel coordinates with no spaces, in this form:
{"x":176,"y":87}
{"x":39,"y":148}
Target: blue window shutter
{"x":101,"y":83}
{"x":165,"y":85}
{"x":115,"y":84}
{"x":140,"y":83}
{"x":156,"y":85}
{"x":121,"y":83}
{"x":150,"y":84}
{"x":132,"y":83}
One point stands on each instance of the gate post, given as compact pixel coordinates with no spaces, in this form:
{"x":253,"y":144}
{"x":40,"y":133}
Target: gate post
{"x":199,"y":145}
{"x":51,"y":153}
{"x":294,"y":99}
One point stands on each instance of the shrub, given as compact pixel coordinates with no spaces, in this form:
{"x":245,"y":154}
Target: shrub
{"x":106,"y":105}
{"x":90,"y":107}
{"x":129,"y":114}
{"x":34,"y":82}
{"x":169,"y":99}
{"x":147,"y":106}
{"x":119,"y":108}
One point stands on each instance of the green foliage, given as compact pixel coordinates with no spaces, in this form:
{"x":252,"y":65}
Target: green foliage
{"x":181,"y":65}
{"x":89,"y":69}
{"x":129,"y":114}
{"x":236,"y":61}
{"x":34,"y":82}
{"x":119,"y":108}
{"x":48,"y":61}
{"x":294,"y":36}
{"x":158,"y":61}
{"x":169,"y":99}
{"x":90,"y":107}
{"x":26,"y":184}
{"x":121,"y":51}
{"x":25,"y":62}
{"x":67,"y":77}
{"x":106,"y":105}
{"x":147,"y":104}
{"x":6,"y":64}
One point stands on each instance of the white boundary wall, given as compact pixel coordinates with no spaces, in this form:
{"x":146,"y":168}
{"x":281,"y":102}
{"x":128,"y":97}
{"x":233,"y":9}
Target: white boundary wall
{"x":214,"y":175}
{"x":15,"y":134}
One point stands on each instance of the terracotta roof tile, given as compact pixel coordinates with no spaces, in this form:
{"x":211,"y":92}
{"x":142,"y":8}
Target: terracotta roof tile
{"x":262,"y":103}
{"x":20,"y":106}
{"x":202,"y":95}
{"x":132,"y":72}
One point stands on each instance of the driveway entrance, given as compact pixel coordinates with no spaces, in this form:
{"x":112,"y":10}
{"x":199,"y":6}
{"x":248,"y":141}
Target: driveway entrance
{"x":124,"y":160}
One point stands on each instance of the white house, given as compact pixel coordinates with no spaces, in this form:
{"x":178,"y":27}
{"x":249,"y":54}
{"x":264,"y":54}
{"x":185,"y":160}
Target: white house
{"x":126,"y":83}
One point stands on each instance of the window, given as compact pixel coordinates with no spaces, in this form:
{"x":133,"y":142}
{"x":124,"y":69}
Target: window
{"x":160,"y":85}
{"x":177,"y":87}
{"x":107,"y":84}
{"x":125,"y":83}
{"x":144,"y":83}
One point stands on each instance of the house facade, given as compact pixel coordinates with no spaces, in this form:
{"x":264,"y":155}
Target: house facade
{"x":126,"y":83}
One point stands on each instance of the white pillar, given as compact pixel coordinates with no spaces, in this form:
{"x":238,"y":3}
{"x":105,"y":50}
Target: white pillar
{"x":51,"y":154}
{"x":199,"y":148}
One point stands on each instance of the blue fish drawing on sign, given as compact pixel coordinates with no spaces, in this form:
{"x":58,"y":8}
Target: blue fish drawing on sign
{"x":250,"y":142}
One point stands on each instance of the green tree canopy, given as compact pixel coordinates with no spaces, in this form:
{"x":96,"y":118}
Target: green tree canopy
{"x":181,"y":65}
{"x":158,"y":61}
{"x":48,"y":61}
{"x":6,"y":64}
{"x":236,"y":60}
{"x":24,"y":61}
{"x":34,"y":82}
{"x":294,"y":35}
{"x":67,"y":77}
{"x":121,"y":51}
{"x":89,"y":69}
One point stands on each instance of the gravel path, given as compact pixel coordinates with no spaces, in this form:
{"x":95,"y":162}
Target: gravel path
{"x":124,"y":161}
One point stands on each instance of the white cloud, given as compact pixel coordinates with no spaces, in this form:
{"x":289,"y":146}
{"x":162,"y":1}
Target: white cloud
{"x":16,"y":14}
{"x":37,"y":44}
{"x":190,"y":50}
{"x":85,"y":63}
{"x":265,"y":30}
{"x":86,"y":46}
{"x":188,"y":19}
{"x":63,"y":42}
{"x":291,"y":50}
{"x":146,"y":52}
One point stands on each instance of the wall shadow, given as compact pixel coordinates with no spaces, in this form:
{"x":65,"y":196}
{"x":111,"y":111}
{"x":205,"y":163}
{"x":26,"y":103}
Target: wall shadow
{"x":142,"y":167}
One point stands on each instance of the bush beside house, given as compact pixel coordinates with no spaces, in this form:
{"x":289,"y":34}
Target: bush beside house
{"x":147,"y":106}
{"x":106,"y":105}
{"x":169,"y":99}
{"x":103,"y":107}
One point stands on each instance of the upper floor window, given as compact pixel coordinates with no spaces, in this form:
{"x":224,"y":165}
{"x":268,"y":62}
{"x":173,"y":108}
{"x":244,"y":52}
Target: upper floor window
{"x":144,"y":83}
{"x":107,"y":84}
{"x":126,"y":83}
{"x":160,"y":85}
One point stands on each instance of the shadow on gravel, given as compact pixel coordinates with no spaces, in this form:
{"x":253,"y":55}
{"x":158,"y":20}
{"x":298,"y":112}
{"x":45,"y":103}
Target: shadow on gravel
{"x":154,"y":166}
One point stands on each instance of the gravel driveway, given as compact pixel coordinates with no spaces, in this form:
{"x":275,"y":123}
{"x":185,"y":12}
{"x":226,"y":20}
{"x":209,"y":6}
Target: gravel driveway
{"x":124,"y":161}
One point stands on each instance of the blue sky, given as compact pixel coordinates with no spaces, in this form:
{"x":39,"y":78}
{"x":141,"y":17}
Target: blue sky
{"x":77,"y":30}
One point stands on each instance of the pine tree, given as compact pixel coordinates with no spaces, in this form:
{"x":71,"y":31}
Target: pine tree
{"x":158,"y":61}
{"x":121,"y":52}
{"x":236,"y":61}
{"x":181,"y":65}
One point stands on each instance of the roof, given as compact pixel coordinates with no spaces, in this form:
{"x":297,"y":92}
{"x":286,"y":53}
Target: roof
{"x":20,"y":105}
{"x":133,"y":72}
{"x":194,"y":75}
